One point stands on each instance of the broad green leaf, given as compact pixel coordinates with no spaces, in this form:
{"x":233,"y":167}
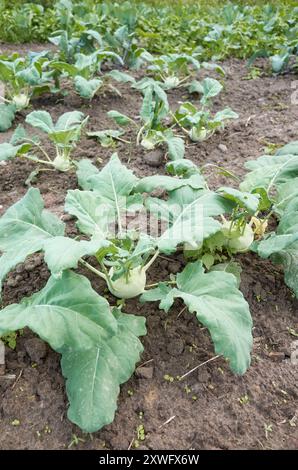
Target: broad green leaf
{"x":93,"y":376}
{"x":224,"y":115}
{"x":162,"y":292}
{"x":64,"y":253}
{"x":66,"y":312}
{"x":24,"y":229}
{"x":107,"y":137}
{"x":65,"y":68}
{"x":282,"y":246}
{"x":93,"y":213}
{"x":212,"y":66}
{"x":288,"y":149}
{"x":87,"y":88}
{"x":121,"y":76}
{"x":268,"y":170}
{"x":8,"y":151}
{"x":6,"y":71}
{"x":286,"y":199}
{"x":168,"y":183}
{"x":218,"y":305}
{"x":196,"y":87}
{"x":195,"y":222}
{"x":246,"y":200}
{"x":41,"y":120}
{"x":114,"y":182}
{"x":85,"y":169}
{"x":182,"y":168}
{"x":18,"y":136}
{"x":69,"y":120}
{"x":176,"y":148}
{"x":188,"y":194}
{"x":147,"y":109}
{"x":119,"y":118}
{"x":231,"y":267}
{"x":211,"y":88}
{"x":7,"y":115}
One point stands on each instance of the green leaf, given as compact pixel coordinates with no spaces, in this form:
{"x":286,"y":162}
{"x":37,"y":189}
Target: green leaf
{"x":24,"y":229}
{"x":231,"y":267}
{"x":195,"y":87}
{"x":211,"y":88}
{"x":107,"y":137}
{"x":147,"y":108}
{"x":66,"y":312}
{"x":224,"y":115}
{"x":41,"y":120}
{"x":85,"y":169}
{"x":219,"y":306}
{"x":268,"y":169}
{"x":119,"y":118}
{"x":176,"y":148}
{"x":282,"y":246}
{"x":8,"y":151}
{"x":121,"y":76}
{"x":87,"y":88}
{"x":99,"y":348}
{"x":114,"y":183}
{"x":194,"y":222}
{"x":65,"y":68}
{"x":18,"y":136}
{"x":93,"y":376}
{"x":168,"y":183}
{"x":264,"y":201}
{"x":92,"y":212}
{"x":245,"y":200}
{"x":64,"y":253}
{"x":288,"y":149}
{"x":69,"y":121}
{"x":182,"y":168}
{"x":7,"y":115}
{"x":162,"y":292}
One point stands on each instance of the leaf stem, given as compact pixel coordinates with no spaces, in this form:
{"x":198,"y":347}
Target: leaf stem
{"x":92,"y":269}
{"x":147,"y":266}
{"x":156,"y":284}
{"x":36,"y":160}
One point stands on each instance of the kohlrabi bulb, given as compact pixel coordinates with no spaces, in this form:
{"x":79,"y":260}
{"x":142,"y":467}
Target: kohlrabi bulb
{"x":61,"y":164}
{"x":131,"y":286}
{"x":171,"y":82}
{"x":198,"y":135}
{"x":21,"y":101}
{"x":239,"y":240}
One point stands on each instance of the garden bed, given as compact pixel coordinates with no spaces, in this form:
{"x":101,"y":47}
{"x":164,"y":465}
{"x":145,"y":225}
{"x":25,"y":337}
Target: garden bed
{"x":211,"y":408}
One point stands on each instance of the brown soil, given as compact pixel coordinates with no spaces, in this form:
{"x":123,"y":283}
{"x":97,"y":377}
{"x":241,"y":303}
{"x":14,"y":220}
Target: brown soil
{"x":211,"y":408}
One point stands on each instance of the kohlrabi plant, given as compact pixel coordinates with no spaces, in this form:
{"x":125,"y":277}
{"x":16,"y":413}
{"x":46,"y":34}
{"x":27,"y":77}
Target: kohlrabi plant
{"x":86,"y":73}
{"x":99,"y":344}
{"x":23,"y":78}
{"x":275,"y":178}
{"x":64,"y":136}
{"x":152,"y":129}
{"x":124,"y":43}
{"x":200,"y":123}
{"x":176,"y":70}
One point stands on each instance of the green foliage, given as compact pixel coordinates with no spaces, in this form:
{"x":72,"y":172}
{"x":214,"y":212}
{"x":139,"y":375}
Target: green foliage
{"x":218,"y":304}
{"x":152,"y":131}
{"x":79,"y":324}
{"x":64,"y":135}
{"x":207,"y":29}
